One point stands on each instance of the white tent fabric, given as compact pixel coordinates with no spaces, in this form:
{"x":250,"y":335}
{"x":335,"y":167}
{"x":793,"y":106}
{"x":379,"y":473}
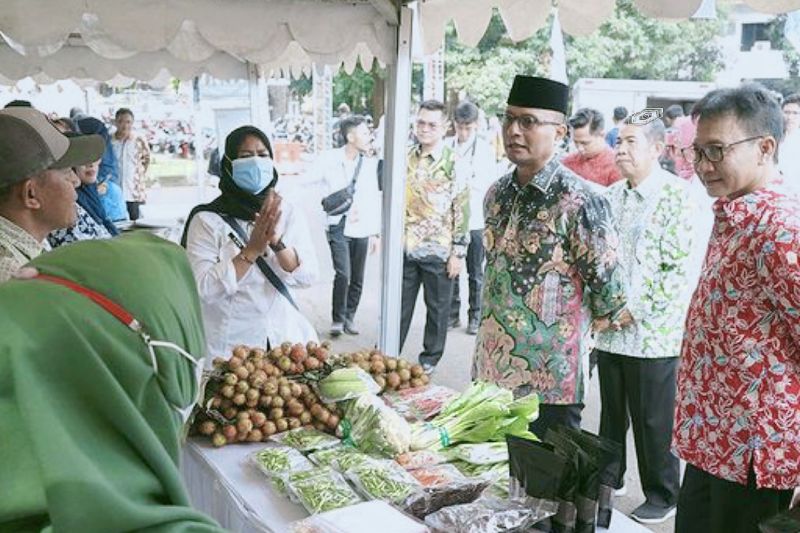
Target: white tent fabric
{"x":524,"y":17}
{"x":102,"y":39}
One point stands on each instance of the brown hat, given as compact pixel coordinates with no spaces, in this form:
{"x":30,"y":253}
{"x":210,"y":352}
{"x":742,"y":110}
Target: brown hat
{"x":30,"y":144}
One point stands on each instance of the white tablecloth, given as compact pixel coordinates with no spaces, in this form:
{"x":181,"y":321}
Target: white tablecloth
{"x":222,"y":484}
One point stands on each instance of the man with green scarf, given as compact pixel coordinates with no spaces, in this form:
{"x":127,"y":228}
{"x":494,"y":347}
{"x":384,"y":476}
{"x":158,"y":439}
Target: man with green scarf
{"x":91,"y":431}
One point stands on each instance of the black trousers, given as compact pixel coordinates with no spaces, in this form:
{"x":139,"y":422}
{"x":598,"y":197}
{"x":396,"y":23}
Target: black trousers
{"x":641,"y":393}
{"x":553,"y":415}
{"x":708,"y":504}
{"x":475,"y":256}
{"x":133,"y":210}
{"x":349,"y":257}
{"x":437,"y":288}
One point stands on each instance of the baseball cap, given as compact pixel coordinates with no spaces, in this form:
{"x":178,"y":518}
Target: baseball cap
{"x":29,"y":144}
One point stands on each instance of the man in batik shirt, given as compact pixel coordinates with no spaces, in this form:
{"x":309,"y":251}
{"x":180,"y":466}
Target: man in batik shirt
{"x":551,"y":262}
{"x":436,"y":230}
{"x":637,"y":364}
{"x":737,"y":416}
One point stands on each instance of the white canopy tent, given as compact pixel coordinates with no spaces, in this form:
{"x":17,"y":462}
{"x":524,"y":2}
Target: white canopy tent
{"x":119,"y":40}
{"x":523,"y":18}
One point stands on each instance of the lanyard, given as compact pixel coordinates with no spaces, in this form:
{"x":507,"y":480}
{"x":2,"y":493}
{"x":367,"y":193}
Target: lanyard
{"x":129,"y":321}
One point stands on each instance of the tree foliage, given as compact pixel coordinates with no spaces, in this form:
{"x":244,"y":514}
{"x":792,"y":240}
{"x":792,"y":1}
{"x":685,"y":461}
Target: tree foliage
{"x":628,"y":45}
{"x":354,"y":89}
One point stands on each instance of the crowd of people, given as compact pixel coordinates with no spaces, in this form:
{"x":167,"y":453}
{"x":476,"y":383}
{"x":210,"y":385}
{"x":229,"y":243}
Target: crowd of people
{"x":608,"y":258}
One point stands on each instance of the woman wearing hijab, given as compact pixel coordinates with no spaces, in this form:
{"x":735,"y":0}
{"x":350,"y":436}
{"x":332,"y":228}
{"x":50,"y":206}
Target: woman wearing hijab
{"x":247,"y":248}
{"x":92,"y":410}
{"x":92,"y":220}
{"x":108,"y":182}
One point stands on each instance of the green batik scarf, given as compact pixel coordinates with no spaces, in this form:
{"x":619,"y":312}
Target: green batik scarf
{"x":89,"y":439}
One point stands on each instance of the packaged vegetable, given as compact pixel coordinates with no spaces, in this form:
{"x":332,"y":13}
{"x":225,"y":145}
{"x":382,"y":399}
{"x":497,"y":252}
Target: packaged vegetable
{"x":436,"y":476}
{"x":345,"y":462}
{"x":484,"y":471}
{"x":360,"y":518}
{"x":484,"y":453}
{"x":281,"y":481}
{"x":490,"y":515}
{"x":421,"y":459}
{"x":383,"y":480}
{"x":444,"y":487}
{"x":373,"y":428}
{"x":345,"y":384}
{"x":306,"y":439}
{"x":420,"y":403}
{"x":326,"y":456}
{"x":275,"y":460}
{"x":325,"y":491}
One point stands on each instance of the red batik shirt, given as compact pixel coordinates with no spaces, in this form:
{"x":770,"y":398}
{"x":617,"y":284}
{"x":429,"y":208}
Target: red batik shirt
{"x":600,"y":168}
{"x":739,"y":376}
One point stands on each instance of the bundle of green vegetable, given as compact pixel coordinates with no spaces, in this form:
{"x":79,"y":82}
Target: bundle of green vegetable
{"x":384,"y":480}
{"x":374,"y":428}
{"x":483,"y":413}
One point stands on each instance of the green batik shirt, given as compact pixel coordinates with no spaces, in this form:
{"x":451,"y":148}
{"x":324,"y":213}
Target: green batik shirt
{"x":437,"y":206}
{"x":654,"y":222}
{"x":551,"y":251}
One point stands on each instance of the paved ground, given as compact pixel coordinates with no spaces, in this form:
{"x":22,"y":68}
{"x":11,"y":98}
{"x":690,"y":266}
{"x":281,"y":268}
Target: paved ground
{"x":454,"y":369}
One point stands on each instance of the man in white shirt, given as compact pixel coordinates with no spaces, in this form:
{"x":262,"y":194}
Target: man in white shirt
{"x":354,"y":233}
{"x":638,"y":353}
{"x":475,"y":165}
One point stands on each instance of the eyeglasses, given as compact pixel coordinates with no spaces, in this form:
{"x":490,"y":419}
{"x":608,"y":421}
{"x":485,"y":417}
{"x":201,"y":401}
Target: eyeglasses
{"x":526,"y":122}
{"x":714,"y":153}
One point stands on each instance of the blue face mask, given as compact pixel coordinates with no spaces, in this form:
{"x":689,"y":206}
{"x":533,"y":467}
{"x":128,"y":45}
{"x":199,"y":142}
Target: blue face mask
{"x":252,"y":174}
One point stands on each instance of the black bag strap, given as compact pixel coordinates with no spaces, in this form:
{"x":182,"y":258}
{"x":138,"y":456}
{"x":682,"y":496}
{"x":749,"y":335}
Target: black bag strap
{"x":260,"y":262}
{"x":357,"y":171}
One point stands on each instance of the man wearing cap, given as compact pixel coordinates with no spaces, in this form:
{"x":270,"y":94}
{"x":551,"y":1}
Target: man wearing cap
{"x":37,"y":184}
{"x":551,"y":267}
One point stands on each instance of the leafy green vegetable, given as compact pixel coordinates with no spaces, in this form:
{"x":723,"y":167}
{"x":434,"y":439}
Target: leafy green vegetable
{"x":483,"y":413}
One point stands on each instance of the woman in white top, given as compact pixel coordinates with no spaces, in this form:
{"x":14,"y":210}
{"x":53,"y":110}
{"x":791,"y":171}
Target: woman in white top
{"x":241,"y":305}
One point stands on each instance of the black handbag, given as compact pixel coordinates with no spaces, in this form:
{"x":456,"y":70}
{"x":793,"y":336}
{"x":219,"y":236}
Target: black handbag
{"x":339,"y":202}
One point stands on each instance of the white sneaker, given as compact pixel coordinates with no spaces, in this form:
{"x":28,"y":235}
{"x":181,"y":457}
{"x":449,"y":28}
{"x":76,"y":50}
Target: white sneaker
{"x":622,"y":491}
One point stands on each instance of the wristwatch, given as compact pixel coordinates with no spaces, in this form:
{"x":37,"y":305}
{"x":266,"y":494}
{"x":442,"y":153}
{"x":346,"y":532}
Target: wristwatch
{"x":278,"y":246}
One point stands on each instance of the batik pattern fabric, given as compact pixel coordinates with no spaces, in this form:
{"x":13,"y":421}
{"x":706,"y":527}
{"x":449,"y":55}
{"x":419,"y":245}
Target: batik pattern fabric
{"x":437,"y":206}
{"x":654,"y":224}
{"x":551,"y":268}
{"x":17,"y":247}
{"x":738,"y":398}
{"x":86,"y":228}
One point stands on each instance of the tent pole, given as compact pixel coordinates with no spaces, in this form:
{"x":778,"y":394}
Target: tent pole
{"x":398,"y":106}
{"x":259,"y":109}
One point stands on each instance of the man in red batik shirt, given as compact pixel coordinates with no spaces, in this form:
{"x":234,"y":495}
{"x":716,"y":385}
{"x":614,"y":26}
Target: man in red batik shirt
{"x":593,"y":160}
{"x":737,"y":415}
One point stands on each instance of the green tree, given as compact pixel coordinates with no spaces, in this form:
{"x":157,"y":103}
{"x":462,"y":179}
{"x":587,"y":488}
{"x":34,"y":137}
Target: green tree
{"x":628,"y":45}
